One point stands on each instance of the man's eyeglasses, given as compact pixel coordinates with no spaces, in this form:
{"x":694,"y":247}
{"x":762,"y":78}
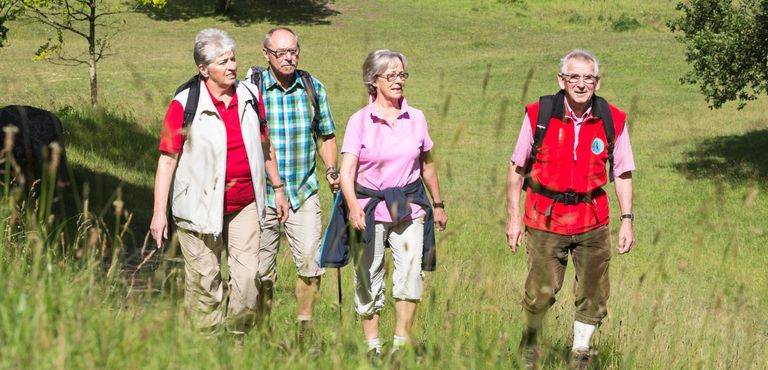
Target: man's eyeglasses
{"x":283,"y":52}
{"x":574,"y":78}
{"x":392,"y":76}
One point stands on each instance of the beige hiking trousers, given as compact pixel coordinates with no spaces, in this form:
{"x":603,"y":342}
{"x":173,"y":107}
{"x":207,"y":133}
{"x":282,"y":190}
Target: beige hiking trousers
{"x":204,"y":290}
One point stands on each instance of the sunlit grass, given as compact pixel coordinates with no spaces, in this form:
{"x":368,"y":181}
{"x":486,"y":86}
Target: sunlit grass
{"x":692,"y":294}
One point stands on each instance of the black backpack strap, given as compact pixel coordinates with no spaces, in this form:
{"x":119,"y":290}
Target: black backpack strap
{"x":255,"y":76}
{"x":190,"y":108}
{"x":604,"y":111}
{"x":309,"y":87}
{"x":546,"y":104}
{"x":255,"y":105}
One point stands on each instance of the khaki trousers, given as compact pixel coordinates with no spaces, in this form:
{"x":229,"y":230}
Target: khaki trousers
{"x":303,"y":229}
{"x":204,"y":291}
{"x":406,"y":240}
{"x":547,"y":260}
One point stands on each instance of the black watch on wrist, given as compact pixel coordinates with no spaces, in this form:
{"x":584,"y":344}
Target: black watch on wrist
{"x":333,"y":172}
{"x":630,"y":216}
{"x":439,"y":205}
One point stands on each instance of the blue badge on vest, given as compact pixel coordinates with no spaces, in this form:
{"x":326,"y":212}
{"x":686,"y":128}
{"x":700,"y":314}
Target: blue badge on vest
{"x":597,"y":146}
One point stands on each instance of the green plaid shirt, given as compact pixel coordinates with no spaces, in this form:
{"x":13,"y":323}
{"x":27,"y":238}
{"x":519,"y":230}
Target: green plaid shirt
{"x":290,"y":113}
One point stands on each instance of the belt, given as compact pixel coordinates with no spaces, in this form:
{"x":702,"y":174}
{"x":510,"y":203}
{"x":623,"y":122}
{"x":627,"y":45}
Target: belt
{"x":567,"y":198}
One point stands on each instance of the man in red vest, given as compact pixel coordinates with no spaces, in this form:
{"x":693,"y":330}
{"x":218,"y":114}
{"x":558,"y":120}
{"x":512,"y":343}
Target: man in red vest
{"x":560,"y":160}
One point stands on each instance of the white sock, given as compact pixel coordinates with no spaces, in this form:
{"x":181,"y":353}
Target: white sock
{"x":374,"y":344}
{"x":582,"y":334}
{"x":398,"y":341}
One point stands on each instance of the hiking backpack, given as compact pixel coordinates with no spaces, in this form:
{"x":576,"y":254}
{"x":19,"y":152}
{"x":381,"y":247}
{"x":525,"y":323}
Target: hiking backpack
{"x":190,"y":108}
{"x":254,"y":77}
{"x":546,"y":104}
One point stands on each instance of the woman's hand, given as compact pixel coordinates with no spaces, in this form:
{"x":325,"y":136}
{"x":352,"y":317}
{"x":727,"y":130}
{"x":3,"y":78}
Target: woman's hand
{"x":357,"y":218}
{"x":281,"y":205}
{"x":441,"y":218}
{"x":159,"y":228}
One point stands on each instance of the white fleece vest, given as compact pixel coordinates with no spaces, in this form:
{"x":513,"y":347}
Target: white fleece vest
{"x":198,"y":183}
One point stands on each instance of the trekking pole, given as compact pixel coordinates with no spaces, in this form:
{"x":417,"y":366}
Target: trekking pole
{"x":338,"y":287}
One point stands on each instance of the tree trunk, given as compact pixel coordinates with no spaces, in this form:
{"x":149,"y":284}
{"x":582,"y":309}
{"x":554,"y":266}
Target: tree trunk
{"x":222,"y":5}
{"x":92,"y":57}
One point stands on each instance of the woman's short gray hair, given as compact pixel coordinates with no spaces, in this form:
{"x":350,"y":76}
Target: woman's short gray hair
{"x":377,"y":62}
{"x":579,"y":54}
{"x":211,"y":43}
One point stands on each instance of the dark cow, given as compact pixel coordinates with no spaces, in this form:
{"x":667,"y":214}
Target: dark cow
{"x":37,"y":129}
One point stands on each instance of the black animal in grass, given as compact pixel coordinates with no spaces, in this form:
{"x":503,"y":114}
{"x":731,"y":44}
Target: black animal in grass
{"x":35,"y":130}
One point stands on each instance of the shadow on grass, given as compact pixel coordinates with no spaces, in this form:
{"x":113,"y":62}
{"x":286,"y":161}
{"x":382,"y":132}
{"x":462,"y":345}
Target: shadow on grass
{"x":733,"y":159}
{"x":119,"y":142}
{"x":246,"y":12}
{"x":109,"y":136}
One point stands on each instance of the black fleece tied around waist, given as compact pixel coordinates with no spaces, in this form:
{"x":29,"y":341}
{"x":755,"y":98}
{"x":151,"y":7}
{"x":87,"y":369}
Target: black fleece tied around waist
{"x":335,"y":247}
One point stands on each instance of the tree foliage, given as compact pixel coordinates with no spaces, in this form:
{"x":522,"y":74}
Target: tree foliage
{"x":727,"y":46}
{"x":96,"y":21}
{"x":8,"y":11}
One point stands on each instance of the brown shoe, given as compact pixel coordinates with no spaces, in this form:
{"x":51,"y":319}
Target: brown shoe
{"x":530,"y":350}
{"x":533,"y":357}
{"x":581,"y":359}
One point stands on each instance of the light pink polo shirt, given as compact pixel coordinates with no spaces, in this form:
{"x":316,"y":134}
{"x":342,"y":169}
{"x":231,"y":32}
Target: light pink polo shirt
{"x":387,"y":154}
{"x":623,"y":160}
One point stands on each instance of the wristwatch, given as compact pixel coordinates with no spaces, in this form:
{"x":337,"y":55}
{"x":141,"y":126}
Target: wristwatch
{"x":439,"y":205}
{"x":630,"y":216}
{"x":333,"y":172}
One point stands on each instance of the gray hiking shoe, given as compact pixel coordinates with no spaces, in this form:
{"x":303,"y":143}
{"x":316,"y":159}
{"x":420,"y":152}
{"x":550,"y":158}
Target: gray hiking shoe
{"x":581,"y":359}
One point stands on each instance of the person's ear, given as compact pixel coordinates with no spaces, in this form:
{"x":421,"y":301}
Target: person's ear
{"x":560,"y":82}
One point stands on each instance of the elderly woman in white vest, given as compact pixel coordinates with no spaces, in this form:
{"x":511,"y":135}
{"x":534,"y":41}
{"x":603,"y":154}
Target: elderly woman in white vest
{"x":215,"y":161}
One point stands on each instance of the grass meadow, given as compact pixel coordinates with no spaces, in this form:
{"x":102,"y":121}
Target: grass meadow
{"x":692,"y":294}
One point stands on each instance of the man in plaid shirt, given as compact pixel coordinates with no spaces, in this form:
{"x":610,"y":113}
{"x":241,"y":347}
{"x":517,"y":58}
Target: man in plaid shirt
{"x":290,"y":114}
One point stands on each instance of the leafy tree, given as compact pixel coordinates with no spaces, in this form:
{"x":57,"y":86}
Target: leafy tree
{"x":96,"y":21}
{"x":8,"y":11}
{"x":727,"y":46}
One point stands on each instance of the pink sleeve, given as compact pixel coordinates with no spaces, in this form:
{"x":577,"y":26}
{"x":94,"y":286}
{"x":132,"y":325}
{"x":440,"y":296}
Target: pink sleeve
{"x":353,"y":135}
{"x":524,"y":142}
{"x":427,"y":144}
{"x":623,"y":160}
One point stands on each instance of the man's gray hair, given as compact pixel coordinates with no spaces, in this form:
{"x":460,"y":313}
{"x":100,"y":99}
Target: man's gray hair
{"x":268,"y":36}
{"x":378,"y":62}
{"x":211,"y":43}
{"x":579,"y":54}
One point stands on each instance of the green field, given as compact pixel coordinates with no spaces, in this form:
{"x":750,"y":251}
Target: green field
{"x":692,"y":294}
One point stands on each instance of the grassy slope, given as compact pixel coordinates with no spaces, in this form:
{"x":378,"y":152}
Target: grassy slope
{"x":691,"y":294}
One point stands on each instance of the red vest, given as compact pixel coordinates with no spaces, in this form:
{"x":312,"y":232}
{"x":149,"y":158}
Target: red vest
{"x":559,"y":169}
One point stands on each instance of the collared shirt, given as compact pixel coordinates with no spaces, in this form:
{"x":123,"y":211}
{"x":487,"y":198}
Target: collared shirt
{"x":388,"y":153}
{"x":289,"y":114}
{"x":239,"y":187}
{"x":623,"y":160}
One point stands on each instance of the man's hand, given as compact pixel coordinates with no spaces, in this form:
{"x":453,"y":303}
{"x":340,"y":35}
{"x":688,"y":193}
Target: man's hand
{"x":281,"y":205}
{"x":441,"y":218}
{"x":514,"y":231}
{"x":159,"y":228}
{"x":332,"y":175}
{"x":626,"y":237}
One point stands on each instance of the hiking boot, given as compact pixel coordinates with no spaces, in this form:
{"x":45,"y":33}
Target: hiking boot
{"x":374,"y":356}
{"x":581,"y":359}
{"x":305,"y":335}
{"x":532,"y":356}
{"x":530,"y":350}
